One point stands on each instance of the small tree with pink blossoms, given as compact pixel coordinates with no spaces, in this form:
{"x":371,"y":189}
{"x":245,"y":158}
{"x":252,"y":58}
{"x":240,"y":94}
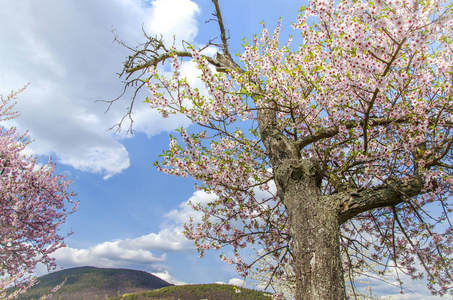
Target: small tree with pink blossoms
{"x":353,"y":126}
{"x":33,"y":203}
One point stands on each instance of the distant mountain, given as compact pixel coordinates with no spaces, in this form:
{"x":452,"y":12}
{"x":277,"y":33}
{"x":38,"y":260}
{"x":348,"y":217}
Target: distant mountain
{"x":198,"y":292}
{"x":92,"y":283}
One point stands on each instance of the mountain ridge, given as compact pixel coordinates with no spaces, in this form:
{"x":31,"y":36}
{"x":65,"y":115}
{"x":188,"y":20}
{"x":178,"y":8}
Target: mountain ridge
{"x":92,"y":283}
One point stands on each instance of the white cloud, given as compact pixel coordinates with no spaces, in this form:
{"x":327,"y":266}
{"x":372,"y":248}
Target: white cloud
{"x":184,"y":211}
{"x":171,"y":238}
{"x":174,"y":18}
{"x":168,"y":239}
{"x":65,"y":49}
{"x":150,"y":122}
{"x":108,"y":160}
{"x":236,"y":281}
{"x":108,"y":255}
{"x":168,"y":278}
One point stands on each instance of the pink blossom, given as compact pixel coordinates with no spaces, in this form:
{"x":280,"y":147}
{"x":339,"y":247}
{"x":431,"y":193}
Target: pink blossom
{"x":33,"y":202}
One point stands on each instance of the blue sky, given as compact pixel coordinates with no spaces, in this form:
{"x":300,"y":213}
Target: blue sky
{"x":130,"y":215}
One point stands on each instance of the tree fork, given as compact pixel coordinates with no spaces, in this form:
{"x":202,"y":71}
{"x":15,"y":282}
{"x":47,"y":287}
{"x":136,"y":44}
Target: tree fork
{"x":314,"y":219}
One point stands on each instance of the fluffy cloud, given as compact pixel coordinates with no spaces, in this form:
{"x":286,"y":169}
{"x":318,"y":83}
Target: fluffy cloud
{"x":168,"y":240}
{"x":236,"y":281}
{"x":167,"y":17}
{"x":150,"y":122}
{"x":65,"y":49}
{"x":168,"y":278}
{"x":107,"y":254}
{"x":184,"y":212}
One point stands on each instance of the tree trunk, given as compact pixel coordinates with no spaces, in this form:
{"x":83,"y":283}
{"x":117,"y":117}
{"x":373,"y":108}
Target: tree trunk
{"x":315,"y":229}
{"x":314,"y":219}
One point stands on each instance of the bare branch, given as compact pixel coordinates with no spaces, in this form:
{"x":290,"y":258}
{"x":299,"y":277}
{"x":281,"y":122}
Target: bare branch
{"x":218,"y":15}
{"x":164,"y":56}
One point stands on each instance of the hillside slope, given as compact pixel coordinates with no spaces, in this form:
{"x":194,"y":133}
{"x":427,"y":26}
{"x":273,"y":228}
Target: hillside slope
{"x":94,"y":283}
{"x":197,"y":292}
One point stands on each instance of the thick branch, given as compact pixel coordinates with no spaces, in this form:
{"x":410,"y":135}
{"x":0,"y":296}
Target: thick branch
{"x":161,"y":58}
{"x":354,"y":202}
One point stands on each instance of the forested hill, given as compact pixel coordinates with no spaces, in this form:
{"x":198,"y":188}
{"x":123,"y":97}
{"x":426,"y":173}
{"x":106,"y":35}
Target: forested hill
{"x":94,"y":283}
{"x":198,"y":292}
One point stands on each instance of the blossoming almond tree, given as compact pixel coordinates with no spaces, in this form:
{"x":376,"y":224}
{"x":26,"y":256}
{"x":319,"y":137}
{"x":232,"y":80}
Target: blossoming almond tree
{"x":353,"y":126}
{"x":33,"y":203}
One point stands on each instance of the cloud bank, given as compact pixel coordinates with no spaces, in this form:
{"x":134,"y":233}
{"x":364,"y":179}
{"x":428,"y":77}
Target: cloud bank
{"x":65,"y":50}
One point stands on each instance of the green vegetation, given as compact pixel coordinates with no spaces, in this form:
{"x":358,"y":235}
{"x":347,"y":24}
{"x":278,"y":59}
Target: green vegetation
{"x":197,"y":292}
{"x":94,"y":283}
{"x":91,"y":283}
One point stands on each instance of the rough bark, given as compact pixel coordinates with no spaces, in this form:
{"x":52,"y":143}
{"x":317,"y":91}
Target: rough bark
{"x":354,"y":202}
{"x":314,"y":218}
{"x":315,"y":231}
